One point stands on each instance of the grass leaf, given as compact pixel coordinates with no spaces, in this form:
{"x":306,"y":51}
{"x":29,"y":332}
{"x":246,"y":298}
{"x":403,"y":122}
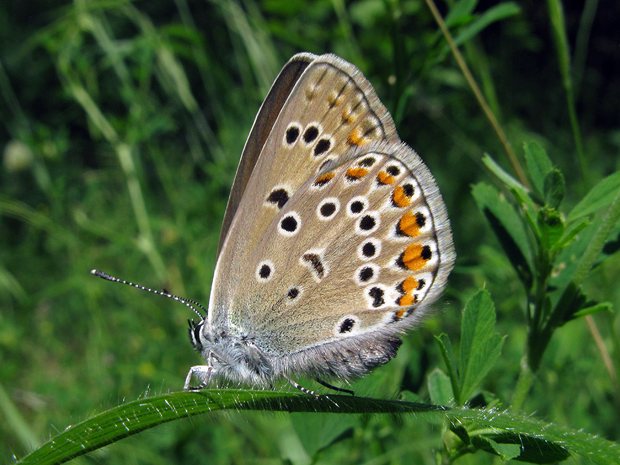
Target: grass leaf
{"x":142,"y":414}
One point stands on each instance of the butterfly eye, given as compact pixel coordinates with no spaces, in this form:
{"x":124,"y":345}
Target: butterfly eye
{"x":368,"y":162}
{"x":388,"y":176}
{"x":393,"y":170}
{"x":347,"y":325}
{"x":356,"y":207}
{"x":410,"y":224}
{"x":324,"y":179}
{"x":377,"y":296}
{"x":415,"y":257}
{"x":313,"y":261}
{"x":194,"y":333}
{"x":355,"y":174}
{"x":401,"y":197}
{"x":369,"y":250}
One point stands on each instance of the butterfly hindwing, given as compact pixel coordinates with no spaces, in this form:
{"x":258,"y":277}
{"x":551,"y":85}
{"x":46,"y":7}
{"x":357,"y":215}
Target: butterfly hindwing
{"x":362,"y":246}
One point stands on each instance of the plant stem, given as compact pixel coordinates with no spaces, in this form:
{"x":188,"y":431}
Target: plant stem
{"x":524,"y":384}
{"x":478,"y":94}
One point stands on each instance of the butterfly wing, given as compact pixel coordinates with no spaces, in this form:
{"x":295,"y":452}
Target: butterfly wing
{"x":362,"y":248}
{"x":263,"y":124}
{"x":329,"y":109}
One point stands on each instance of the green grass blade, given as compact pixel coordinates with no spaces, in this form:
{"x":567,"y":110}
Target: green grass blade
{"x":142,"y":414}
{"x":558,"y":28}
{"x":134,"y":417}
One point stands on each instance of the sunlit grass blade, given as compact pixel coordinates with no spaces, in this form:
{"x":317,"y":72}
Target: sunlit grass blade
{"x":134,"y":417}
{"x":142,"y":414}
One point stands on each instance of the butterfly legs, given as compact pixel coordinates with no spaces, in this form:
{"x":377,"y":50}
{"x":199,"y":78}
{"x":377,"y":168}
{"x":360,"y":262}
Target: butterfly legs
{"x":201,"y":372}
{"x":327,"y":385}
{"x":320,"y":381}
{"x":301,"y":388}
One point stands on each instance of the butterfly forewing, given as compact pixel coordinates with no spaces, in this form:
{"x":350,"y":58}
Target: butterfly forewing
{"x":263,"y":124}
{"x":330,"y":110}
{"x":359,"y":247}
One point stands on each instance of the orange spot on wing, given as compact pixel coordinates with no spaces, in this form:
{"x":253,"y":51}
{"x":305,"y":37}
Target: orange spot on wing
{"x":409,"y":285}
{"x":400,"y":313}
{"x":408,"y":225}
{"x":415,"y":257}
{"x":405,"y":301}
{"x":400,"y":198}
{"x":385,"y":178}
{"x":356,"y":137}
{"x":356,"y":172}
{"x":324,"y":179}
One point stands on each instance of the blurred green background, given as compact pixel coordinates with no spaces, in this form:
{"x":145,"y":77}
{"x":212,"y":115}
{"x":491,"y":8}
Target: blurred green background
{"x":122,"y":125}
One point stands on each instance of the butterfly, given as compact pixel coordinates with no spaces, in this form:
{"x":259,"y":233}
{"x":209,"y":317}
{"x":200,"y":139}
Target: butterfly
{"x":335,"y":238}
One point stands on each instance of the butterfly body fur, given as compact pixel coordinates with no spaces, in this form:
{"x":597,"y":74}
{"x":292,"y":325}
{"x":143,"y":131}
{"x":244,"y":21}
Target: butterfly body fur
{"x":335,"y":239}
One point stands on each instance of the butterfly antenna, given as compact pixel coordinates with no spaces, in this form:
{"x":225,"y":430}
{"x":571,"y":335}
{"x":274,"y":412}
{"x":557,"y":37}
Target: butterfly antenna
{"x":164,"y":293}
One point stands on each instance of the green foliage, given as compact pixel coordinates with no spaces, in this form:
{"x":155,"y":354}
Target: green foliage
{"x":480,"y":347}
{"x":122,"y":124}
{"x":534,"y":227}
{"x":147,"y":412}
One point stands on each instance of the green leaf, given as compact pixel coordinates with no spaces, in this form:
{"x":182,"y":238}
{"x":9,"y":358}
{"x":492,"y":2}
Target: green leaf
{"x":505,"y":451}
{"x":440,"y":388}
{"x":520,"y":192}
{"x":591,"y":310}
{"x":521,"y":447}
{"x":493,"y":14}
{"x":317,"y":432}
{"x":508,"y":227}
{"x":460,"y":12}
{"x":448,"y":356}
{"x":587,"y":250}
{"x":135,"y":417}
{"x":569,"y":257}
{"x":501,"y":173}
{"x":599,"y":196}
{"x":538,"y":164}
{"x":570,"y":234}
{"x":554,"y":188}
{"x":480,"y":344}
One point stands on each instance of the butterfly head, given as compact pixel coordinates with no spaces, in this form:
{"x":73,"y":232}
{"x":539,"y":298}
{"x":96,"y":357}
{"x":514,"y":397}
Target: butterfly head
{"x":229,"y":356}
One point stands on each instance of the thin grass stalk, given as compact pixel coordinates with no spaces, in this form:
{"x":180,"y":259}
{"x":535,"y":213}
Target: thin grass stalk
{"x":478,"y":94}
